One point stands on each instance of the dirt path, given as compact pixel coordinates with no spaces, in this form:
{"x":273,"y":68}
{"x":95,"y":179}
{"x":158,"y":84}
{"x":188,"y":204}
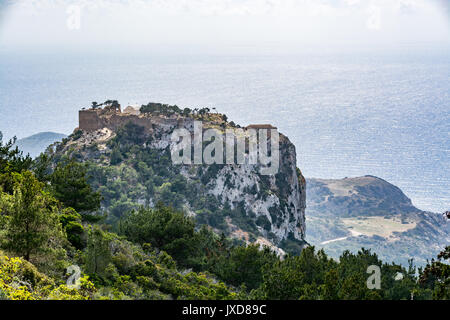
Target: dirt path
{"x":353,"y":232}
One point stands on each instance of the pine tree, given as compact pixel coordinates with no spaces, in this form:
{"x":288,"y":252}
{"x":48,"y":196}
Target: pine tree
{"x":70,"y":186}
{"x":98,"y":254}
{"x":32,"y":222}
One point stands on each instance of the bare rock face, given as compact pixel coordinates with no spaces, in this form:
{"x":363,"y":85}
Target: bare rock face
{"x":256,"y":208}
{"x":279,"y":199}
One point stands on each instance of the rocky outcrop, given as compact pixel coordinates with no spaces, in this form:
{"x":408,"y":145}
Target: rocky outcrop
{"x":279,"y":199}
{"x":264,"y":208}
{"x":357,"y":196}
{"x":369,"y":212}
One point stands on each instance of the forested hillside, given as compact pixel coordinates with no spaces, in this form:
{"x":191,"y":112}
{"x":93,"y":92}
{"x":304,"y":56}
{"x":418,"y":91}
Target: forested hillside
{"x":121,"y":150}
{"x":51,"y":220}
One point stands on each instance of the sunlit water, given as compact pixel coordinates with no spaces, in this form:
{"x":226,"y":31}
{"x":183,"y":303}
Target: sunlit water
{"x":387,"y":116}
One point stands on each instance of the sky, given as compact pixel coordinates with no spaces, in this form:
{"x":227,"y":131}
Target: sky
{"x":227,"y":25}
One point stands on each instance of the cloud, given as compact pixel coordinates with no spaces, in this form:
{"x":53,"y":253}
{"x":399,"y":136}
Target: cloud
{"x":150,"y":23}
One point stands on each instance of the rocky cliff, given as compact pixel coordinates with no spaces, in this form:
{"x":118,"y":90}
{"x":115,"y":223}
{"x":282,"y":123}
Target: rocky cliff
{"x":129,"y":160}
{"x":369,"y":212}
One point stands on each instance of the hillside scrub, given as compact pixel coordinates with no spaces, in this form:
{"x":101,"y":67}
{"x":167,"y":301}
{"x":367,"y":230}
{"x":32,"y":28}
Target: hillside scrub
{"x":161,"y":253}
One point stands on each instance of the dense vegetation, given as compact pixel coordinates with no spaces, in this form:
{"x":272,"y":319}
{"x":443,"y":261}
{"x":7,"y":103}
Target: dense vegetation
{"x":50,"y":220}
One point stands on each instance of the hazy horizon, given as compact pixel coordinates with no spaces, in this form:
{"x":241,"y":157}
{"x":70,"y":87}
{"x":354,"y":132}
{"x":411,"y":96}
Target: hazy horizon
{"x":225,"y":26}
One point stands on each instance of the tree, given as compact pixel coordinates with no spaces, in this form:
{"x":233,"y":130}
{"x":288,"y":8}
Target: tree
{"x":299,"y":277}
{"x":71,"y":223}
{"x":98,"y":254}
{"x":116,"y":156}
{"x":245,"y":265}
{"x":437,"y":275}
{"x":32,"y":221}
{"x":11,"y":160}
{"x":115,"y":105}
{"x":163,"y":228}
{"x":69,"y":185}
{"x":42,"y":167}
{"x":186,"y":111}
{"x":203,"y":111}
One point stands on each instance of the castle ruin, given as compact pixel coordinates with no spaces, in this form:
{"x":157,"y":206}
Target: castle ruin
{"x":94,"y":119}
{"x":112,"y":117}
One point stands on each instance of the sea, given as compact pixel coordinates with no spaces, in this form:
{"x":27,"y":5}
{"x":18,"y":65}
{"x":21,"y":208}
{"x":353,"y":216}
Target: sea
{"x":386,"y":115}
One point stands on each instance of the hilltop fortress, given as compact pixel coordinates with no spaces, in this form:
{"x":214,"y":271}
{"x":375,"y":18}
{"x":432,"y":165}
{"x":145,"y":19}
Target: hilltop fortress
{"x":94,"y":119}
{"x":112,"y":117}
{"x":239,"y":145}
{"x":265,"y":208}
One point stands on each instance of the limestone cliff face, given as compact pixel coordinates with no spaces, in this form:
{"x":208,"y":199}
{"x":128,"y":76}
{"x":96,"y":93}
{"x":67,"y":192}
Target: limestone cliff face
{"x":271,"y":206}
{"x":279,"y":198}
